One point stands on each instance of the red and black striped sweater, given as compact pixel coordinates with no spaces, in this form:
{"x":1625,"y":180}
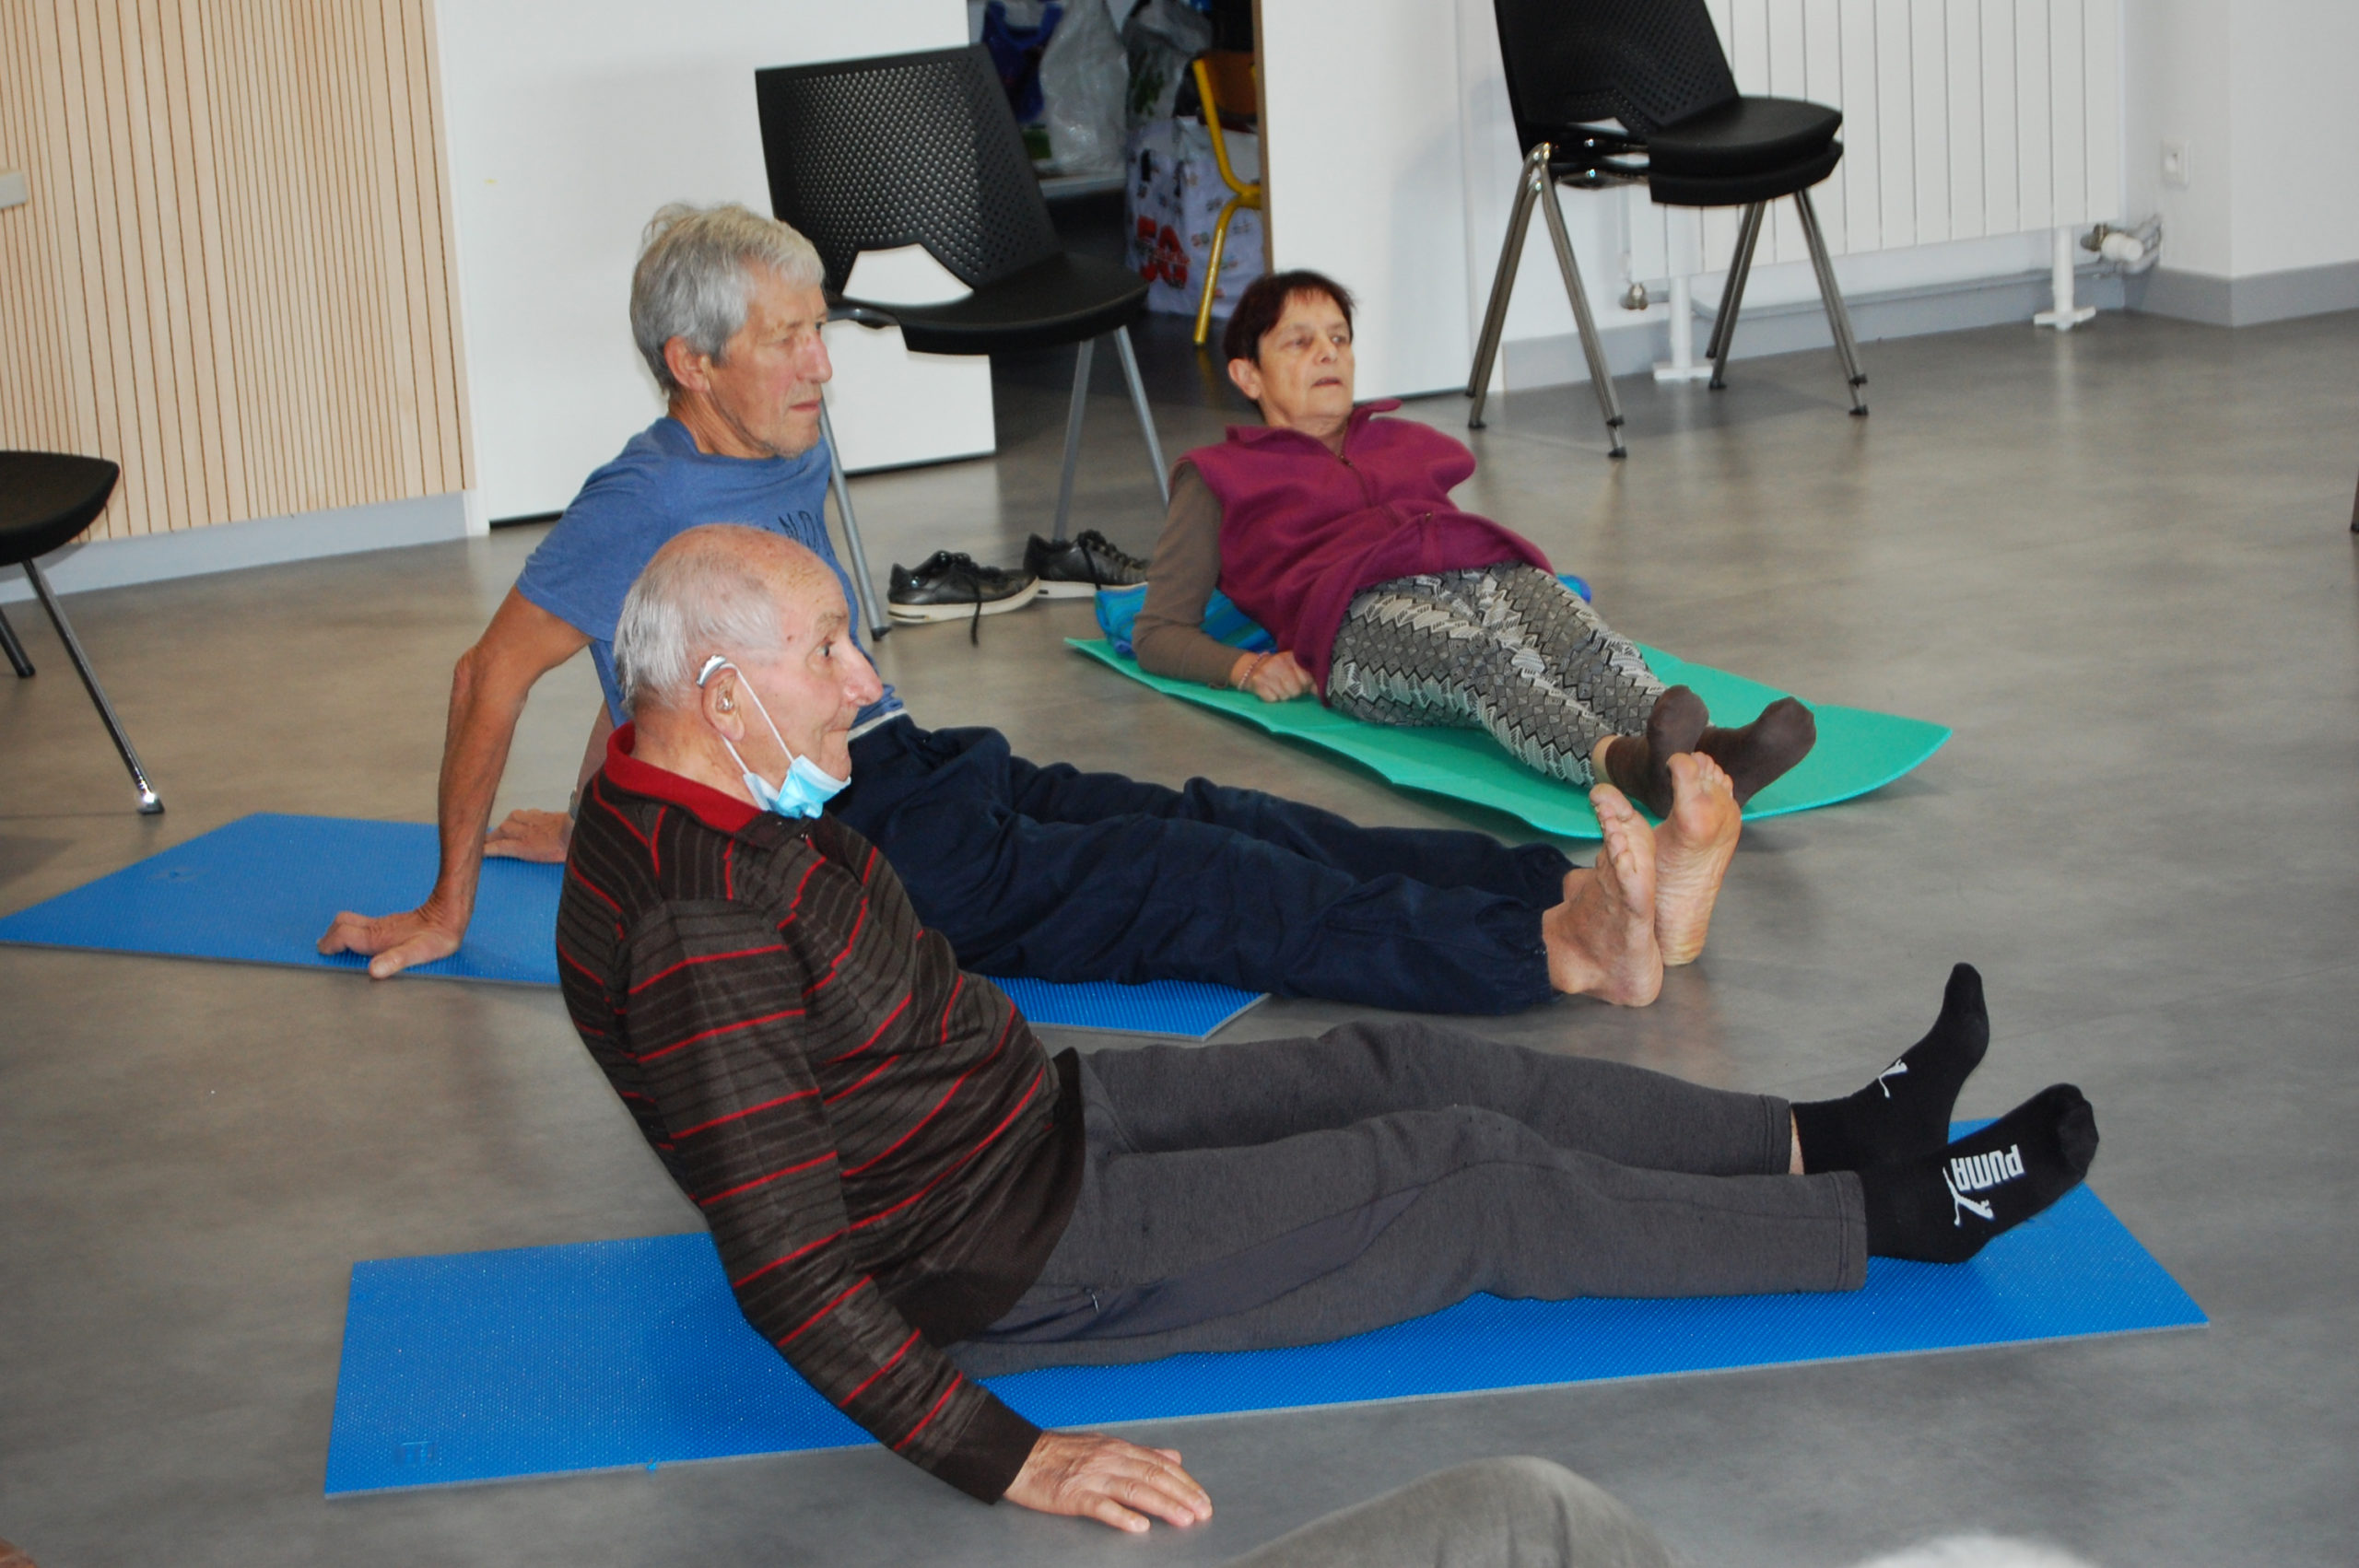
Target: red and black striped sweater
{"x":885,"y":1152}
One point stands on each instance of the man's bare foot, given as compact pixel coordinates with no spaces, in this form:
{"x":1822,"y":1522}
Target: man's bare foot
{"x":1692,"y":851}
{"x":1602,"y":938}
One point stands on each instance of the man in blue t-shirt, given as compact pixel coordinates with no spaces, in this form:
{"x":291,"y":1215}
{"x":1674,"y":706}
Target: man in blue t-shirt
{"x":1029,"y":869}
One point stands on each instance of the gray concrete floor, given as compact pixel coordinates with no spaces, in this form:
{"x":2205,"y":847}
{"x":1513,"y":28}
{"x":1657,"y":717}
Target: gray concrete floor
{"x":2116,"y":563}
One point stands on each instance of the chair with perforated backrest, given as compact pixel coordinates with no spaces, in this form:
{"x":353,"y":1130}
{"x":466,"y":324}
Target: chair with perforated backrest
{"x":45,"y":500}
{"x":922,"y":149}
{"x":1656,"y":68}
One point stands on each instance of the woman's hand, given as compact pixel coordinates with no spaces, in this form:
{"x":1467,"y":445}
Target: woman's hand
{"x":1273,"y":677}
{"x":1090,"y":1477}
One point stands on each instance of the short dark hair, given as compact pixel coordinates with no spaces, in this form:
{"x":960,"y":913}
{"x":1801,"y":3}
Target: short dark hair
{"x":1264,"y":302}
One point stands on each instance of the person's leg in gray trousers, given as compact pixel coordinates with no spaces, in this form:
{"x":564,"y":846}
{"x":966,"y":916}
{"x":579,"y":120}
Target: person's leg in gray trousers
{"x":1516,"y":1512}
{"x":1293,"y":1191}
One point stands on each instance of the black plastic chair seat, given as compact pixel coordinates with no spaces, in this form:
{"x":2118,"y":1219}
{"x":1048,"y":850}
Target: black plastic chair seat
{"x":1743,"y":189}
{"x":1744,"y":135}
{"x":48,"y":497}
{"x":1059,"y":299}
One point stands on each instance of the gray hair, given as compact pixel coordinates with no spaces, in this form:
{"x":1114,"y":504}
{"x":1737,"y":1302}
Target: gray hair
{"x":696,"y":275}
{"x":705,"y":592}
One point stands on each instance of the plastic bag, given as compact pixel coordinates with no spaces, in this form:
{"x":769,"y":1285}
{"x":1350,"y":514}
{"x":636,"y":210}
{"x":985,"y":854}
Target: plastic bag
{"x":1161,"y":37}
{"x":1015,"y":36}
{"x":1173,"y":197}
{"x":1085,"y":81}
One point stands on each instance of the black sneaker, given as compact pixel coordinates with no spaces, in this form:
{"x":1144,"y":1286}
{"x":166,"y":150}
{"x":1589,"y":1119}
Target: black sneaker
{"x":1081,"y":566}
{"x":953,"y":586}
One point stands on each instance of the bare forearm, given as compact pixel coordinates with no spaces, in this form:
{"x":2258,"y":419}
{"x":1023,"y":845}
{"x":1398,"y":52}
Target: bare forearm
{"x":483,"y":712}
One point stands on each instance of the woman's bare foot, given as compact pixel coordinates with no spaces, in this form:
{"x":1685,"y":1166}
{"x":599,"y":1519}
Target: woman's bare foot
{"x":1602,"y":938}
{"x":1692,"y":851}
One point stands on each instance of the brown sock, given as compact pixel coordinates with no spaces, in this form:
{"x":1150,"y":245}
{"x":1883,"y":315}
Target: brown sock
{"x":1756,"y":756}
{"x":1639,"y":765}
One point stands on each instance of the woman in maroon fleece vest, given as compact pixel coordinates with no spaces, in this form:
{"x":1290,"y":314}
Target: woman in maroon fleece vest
{"x":1333,"y":528}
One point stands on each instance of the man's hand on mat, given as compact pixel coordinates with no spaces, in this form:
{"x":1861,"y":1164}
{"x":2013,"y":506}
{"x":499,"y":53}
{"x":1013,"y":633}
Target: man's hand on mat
{"x":394,"y":943}
{"x":1104,"y":1478}
{"x":532,"y":836}
{"x":1273,"y":677}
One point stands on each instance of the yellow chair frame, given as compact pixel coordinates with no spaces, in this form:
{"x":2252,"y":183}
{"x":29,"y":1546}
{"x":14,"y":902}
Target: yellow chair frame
{"x":1242,"y":195}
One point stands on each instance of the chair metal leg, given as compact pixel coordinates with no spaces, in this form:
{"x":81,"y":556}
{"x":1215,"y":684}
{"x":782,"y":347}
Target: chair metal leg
{"x":1600,"y":375}
{"x":1122,"y":337}
{"x":149,"y":804}
{"x":1748,"y":236}
{"x":1830,"y":294}
{"x":1081,"y":354}
{"x":16,"y":651}
{"x":862,"y":587}
{"x":1529,"y":184}
{"x":1212,"y":271}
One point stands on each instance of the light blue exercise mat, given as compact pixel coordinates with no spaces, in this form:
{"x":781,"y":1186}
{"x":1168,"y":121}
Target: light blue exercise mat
{"x":262,"y":890}
{"x":605,"y":1355}
{"x":1859,"y":749}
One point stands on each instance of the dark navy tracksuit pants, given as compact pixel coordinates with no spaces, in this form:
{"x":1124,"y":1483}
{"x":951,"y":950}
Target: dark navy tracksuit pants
{"x":1065,"y":875}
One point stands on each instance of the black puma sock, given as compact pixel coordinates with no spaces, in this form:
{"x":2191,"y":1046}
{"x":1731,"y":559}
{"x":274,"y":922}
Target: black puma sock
{"x":1639,"y":765}
{"x":1942,"y":1207}
{"x":1905,"y":1111}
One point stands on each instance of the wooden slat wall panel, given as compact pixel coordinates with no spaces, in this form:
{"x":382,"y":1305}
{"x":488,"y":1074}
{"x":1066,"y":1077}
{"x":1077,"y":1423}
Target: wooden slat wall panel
{"x":234,"y":274}
{"x":1961,"y":117}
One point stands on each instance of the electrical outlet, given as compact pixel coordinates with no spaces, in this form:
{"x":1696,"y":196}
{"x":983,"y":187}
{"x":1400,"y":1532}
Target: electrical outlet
{"x":2174,"y":164}
{"x":14,"y":190}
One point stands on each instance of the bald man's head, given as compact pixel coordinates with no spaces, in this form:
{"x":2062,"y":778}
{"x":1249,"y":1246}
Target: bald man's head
{"x":721,"y":589}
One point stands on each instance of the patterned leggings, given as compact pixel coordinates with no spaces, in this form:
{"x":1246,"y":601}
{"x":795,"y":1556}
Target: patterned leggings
{"x":1506,"y":648}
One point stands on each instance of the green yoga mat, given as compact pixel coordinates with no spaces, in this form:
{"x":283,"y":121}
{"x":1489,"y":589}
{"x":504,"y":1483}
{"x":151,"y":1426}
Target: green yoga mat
{"x":1857,"y":750}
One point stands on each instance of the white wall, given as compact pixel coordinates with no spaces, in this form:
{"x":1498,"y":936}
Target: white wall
{"x":2294,"y":157}
{"x":2260,"y":90}
{"x":568,"y":125}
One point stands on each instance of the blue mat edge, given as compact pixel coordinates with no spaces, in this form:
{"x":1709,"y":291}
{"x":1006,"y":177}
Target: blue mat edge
{"x":458,"y":967}
{"x":2199,"y":1321}
{"x":2196,"y":1318}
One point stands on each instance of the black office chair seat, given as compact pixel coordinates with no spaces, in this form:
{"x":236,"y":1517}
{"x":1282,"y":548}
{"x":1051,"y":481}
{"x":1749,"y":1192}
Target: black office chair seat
{"x":1745,"y":136}
{"x":1744,"y":190}
{"x":48,"y":497}
{"x":1058,"y":299}
{"x":45,"y":500}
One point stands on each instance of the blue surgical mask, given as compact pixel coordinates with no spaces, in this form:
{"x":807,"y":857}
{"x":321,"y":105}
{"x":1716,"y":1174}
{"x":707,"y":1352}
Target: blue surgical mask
{"x":806,"y":786}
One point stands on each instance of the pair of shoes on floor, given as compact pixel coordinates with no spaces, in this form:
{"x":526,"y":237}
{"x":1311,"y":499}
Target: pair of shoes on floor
{"x":951,"y":585}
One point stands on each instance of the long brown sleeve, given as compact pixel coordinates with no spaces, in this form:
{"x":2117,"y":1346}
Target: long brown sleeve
{"x":1169,"y":636}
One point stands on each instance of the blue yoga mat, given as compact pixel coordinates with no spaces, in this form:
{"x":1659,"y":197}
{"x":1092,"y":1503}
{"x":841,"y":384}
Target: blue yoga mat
{"x":492,"y":1365}
{"x":262,"y":889}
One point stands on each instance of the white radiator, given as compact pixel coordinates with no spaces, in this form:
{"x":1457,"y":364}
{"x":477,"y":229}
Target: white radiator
{"x":1961,"y":117}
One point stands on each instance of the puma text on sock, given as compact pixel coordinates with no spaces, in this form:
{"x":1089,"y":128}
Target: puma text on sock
{"x":1942,"y":1207}
{"x":1905,"y":1111}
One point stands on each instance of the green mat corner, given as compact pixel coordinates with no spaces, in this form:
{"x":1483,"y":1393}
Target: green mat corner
{"x":1859,"y":749}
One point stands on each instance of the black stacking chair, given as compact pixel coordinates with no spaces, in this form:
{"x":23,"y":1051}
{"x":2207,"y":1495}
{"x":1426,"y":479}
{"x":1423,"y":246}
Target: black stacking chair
{"x":922,"y":149}
{"x":1655,"y":66}
{"x":45,"y":500}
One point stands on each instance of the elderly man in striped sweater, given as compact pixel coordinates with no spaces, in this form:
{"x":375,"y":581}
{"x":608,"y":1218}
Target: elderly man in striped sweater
{"x":908,"y":1193}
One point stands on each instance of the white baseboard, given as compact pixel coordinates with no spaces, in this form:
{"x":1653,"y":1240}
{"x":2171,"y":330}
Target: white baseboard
{"x":1795,"y":325}
{"x":192,"y":551}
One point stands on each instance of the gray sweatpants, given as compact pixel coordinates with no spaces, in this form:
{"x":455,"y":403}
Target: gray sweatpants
{"x":1287,"y":1192}
{"x":1515,"y":1513}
